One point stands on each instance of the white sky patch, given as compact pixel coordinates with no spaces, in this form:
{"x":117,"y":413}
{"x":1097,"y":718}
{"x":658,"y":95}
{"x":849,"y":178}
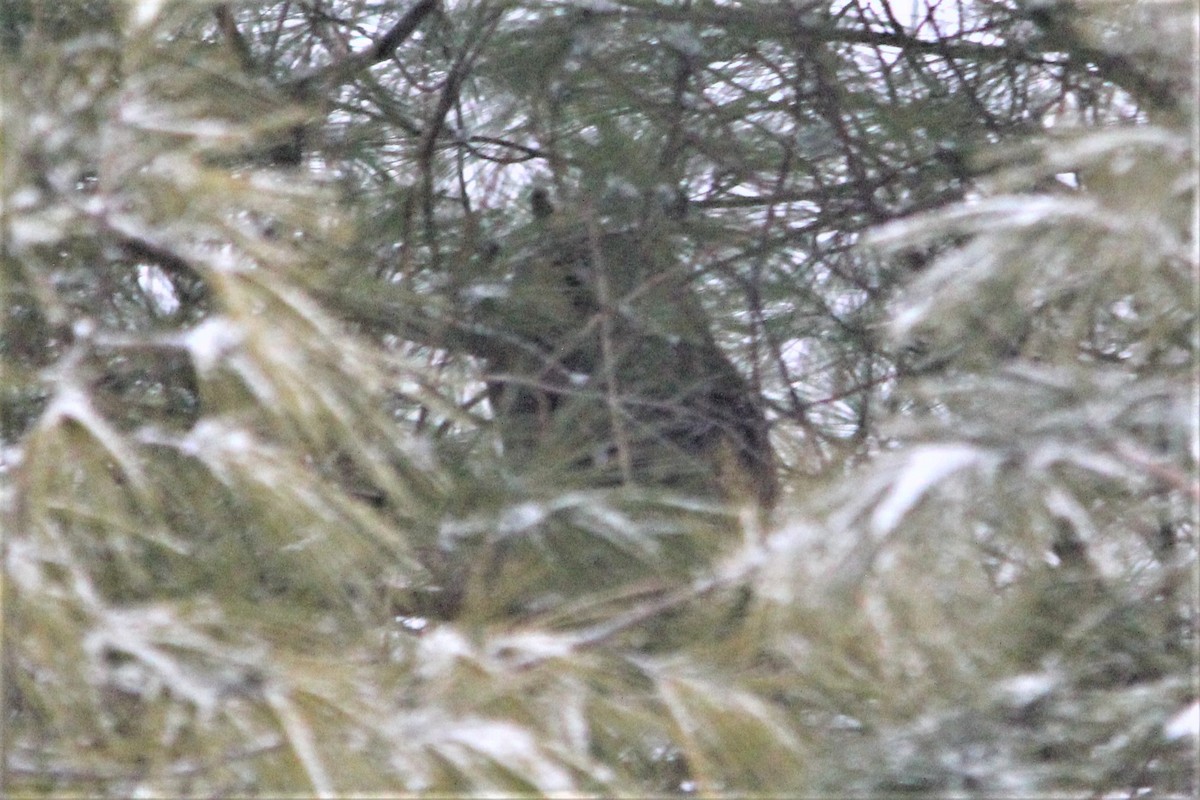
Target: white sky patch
{"x":142,"y":13}
{"x":158,"y":287}
{"x":1184,"y":725}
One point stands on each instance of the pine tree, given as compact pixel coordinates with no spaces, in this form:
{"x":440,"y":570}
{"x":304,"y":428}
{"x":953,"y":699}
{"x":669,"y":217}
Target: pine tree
{"x":390,"y":390}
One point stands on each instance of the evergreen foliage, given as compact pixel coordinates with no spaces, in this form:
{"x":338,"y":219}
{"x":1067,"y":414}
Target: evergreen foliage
{"x":488,"y":397}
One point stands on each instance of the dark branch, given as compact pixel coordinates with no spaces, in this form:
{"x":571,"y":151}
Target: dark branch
{"x":229,"y":29}
{"x":342,"y":70}
{"x":400,"y":32}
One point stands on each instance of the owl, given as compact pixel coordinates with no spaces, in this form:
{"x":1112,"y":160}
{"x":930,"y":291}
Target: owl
{"x":608,"y":369}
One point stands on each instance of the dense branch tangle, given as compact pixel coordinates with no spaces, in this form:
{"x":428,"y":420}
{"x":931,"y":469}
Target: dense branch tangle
{"x":789,"y":127}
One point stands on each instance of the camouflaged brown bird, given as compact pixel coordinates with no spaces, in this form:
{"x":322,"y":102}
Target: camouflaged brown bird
{"x":609,"y":366}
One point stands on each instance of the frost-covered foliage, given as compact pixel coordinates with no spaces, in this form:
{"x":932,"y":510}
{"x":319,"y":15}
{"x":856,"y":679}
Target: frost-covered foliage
{"x":265,"y":533}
